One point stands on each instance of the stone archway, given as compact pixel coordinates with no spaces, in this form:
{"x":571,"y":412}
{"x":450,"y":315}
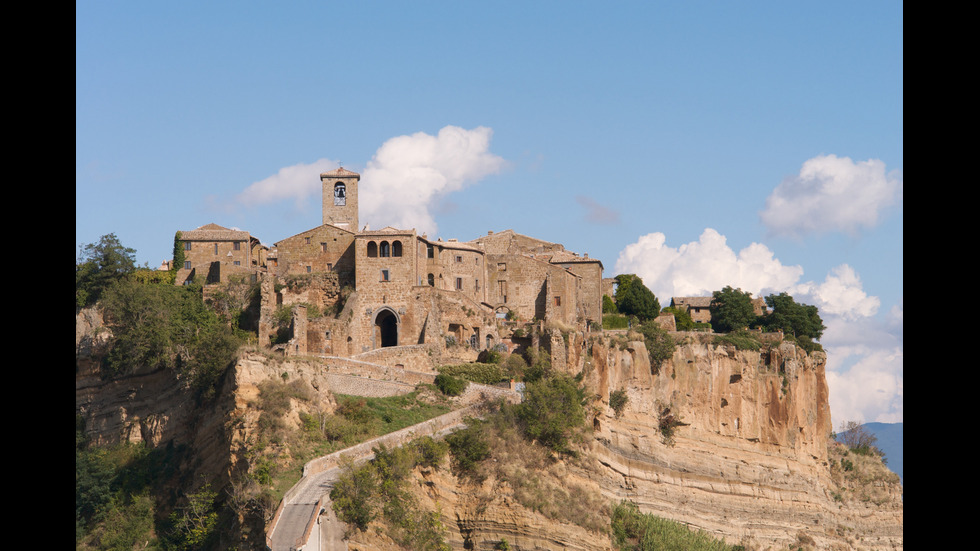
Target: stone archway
{"x":386,"y":326}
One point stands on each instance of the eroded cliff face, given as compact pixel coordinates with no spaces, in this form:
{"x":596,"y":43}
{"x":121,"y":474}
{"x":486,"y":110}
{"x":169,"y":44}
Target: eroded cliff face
{"x":748,"y":462}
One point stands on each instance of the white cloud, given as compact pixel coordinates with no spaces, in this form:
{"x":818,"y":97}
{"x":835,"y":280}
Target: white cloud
{"x":704,"y":266}
{"x":298,"y":183}
{"x":832,"y":194}
{"x":408,"y":175}
{"x":840,"y":294}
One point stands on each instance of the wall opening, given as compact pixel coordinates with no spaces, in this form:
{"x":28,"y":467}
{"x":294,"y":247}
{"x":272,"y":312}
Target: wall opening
{"x":386,"y":329}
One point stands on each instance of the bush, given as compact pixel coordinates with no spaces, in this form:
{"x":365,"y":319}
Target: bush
{"x":551,"y":411}
{"x":633,"y":530}
{"x":741,"y":340}
{"x":615,"y":321}
{"x":468,"y":448}
{"x":618,"y":401}
{"x":477,"y":372}
{"x":659,"y":344}
{"x":449,"y":385}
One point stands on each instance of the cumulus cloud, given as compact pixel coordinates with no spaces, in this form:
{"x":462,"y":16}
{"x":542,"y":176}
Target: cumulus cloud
{"x":832,"y":194}
{"x":299,"y":183}
{"x":840,"y":294}
{"x":409,"y":175}
{"x":704,"y":266}
{"x":865,"y":355}
{"x":596,"y":213}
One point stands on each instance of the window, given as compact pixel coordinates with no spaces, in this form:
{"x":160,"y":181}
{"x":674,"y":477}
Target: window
{"x":339,"y":194}
{"x":557,"y":301}
{"x":502,"y":290}
{"x":237,"y":263}
{"x":459,"y":258}
{"x":329,"y":266}
{"x":385,"y":249}
{"x":429,"y":251}
{"x":478,"y":285}
{"x":237,"y":245}
{"x":384,"y":275}
{"x":309,"y":269}
{"x":323,"y":247}
{"x":501,"y":266}
{"x":396,"y":248}
{"x":372,"y":249}
{"x":215,"y":248}
{"x":187,"y":245}
{"x":307,"y":240}
{"x":432,"y":280}
{"x":459,"y":284}
{"x":187,"y":264}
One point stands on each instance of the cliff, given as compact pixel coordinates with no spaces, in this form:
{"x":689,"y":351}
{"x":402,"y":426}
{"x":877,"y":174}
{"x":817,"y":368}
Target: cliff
{"x":750,"y":460}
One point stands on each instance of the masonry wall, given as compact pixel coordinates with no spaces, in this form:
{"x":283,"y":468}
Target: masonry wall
{"x":322,"y":249}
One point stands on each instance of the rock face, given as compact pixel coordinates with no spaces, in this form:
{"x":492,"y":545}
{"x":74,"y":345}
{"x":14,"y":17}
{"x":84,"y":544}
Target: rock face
{"x":748,"y":462}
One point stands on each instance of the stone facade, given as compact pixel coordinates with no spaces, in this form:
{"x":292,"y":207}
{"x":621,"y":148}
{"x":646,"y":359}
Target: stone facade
{"x":213,"y":253}
{"x":403,"y":289}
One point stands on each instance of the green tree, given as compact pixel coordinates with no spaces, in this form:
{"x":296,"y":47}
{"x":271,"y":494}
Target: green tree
{"x":99,"y":266}
{"x":355,"y":496}
{"x":800,"y":320}
{"x":633,"y":298}
{"x":551,"y":410}
{"x":608,"y":306}
{"x":193,"y":525}
{"x":731,"y":310}
{"x":178,"y":261}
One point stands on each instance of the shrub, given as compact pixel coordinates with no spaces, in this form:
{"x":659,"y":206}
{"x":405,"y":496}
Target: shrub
{"x":477,"y":372}
{"x":741,"y":340}
{"x":632,"y":530}
{"x":468,"y":448}
{"x":449,"y":385}
{"x":551,"y":411}
{"x":667,"y":422}
{"x":659,"y":344}
{"x":618,"y":401}
{"x":615,"y":321}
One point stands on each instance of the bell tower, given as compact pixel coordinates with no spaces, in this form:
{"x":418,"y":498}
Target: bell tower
{"x":340,"y":198}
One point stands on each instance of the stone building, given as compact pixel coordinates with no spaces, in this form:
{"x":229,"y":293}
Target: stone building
{"x":213,"y":253}
{"x":700,"y":307}
{"x":364,"y":290}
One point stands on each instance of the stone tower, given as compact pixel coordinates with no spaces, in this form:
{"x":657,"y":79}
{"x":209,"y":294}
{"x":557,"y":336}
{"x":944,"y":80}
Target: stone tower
{"x":340,"y":198}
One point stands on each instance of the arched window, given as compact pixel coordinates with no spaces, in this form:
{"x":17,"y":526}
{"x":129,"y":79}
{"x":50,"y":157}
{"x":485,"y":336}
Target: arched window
{"x":339,"y":194}
{"x":372,"y":249}
{"x":396,"y":248}
{"x":432,"y":280}
{"x":385,"y":249}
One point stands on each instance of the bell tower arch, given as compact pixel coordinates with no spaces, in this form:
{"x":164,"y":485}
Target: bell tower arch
{"x":340,"y":198}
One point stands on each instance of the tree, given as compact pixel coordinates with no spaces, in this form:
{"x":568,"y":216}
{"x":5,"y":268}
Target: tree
{"x":731,"y":310}
{"x":552,"y":409}
{"x":633,"y":298}
{"x":801,"y":320}
{"x":100,"y":265}
{"x":682,"y":318}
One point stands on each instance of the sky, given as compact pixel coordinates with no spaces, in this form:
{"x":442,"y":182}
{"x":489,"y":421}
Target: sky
{"x":696,"y":144}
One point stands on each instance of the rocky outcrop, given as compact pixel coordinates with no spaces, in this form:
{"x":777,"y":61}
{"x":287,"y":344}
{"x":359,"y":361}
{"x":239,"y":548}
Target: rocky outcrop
{"x":747,"y":462}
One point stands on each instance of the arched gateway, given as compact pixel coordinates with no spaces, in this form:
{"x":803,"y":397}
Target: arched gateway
{"x":386,"y":325}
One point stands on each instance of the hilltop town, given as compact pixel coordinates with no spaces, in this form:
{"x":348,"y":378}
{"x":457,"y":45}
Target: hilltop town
{"x":397,"y":287}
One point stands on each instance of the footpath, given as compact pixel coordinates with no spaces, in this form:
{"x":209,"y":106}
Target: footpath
{"x":305,"y":518}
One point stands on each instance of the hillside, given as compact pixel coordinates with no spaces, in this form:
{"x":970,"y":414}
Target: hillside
{"x":732,"y":442}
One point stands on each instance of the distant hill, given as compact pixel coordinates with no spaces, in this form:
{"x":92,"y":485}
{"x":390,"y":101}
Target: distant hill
{"x":889,"y":437}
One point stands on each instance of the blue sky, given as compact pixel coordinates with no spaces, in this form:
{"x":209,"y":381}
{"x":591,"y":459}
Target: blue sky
{"x":697,"y":144}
